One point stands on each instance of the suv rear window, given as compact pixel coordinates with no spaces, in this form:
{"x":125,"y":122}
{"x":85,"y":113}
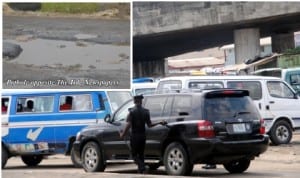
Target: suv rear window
{"x":222,"y":108}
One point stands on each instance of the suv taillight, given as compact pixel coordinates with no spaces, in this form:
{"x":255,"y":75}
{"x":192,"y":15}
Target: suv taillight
{"x":262,"y":129}
{"x":205,"y":129}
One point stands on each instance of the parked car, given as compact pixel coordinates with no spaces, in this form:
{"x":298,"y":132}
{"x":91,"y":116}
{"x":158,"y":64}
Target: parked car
{"x":276,"y":101}
{"x":210,"y":127}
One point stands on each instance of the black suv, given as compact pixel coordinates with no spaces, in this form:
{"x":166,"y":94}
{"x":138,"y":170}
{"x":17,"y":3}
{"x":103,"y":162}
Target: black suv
{"x":211,"y":127}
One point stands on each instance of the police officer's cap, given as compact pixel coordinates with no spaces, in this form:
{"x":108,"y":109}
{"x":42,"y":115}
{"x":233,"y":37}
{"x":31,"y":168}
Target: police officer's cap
{"x":138,"y":97}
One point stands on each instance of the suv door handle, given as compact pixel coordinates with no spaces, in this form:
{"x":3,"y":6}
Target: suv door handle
{"x":272,"y":102}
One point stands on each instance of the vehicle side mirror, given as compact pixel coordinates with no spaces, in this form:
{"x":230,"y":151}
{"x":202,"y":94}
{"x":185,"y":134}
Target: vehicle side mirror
{"x":107,"y":118}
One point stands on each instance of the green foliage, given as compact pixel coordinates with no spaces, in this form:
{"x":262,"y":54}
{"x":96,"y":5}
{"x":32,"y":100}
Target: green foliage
{"x":292,"y":51}
{"x":72,"y":8}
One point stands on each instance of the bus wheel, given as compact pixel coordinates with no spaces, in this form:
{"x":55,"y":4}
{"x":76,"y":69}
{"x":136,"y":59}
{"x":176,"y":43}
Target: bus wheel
{"x":4,"y":156}
{"x":75,"y":160}
{"x":32,"y":160}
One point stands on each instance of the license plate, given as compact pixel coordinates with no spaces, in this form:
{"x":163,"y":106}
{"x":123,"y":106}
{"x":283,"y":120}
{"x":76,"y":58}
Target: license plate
{"x":239,"y":128}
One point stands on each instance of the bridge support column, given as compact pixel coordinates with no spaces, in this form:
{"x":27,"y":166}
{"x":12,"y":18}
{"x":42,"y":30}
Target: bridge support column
{"x":282,"y":42}
{"x":153,"y":68}
{"x":246,"y":44}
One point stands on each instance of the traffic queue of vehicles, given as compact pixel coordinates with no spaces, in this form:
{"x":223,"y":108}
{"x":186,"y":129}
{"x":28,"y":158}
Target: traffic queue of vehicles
{"x":277,"y":102}
{"x":37,"y":124}
{"x":211,"y":120}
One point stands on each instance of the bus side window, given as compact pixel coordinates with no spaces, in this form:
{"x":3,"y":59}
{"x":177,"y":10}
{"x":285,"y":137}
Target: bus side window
{"x":67,"y":104}
{"x":4,"y":105}
{"x":81,"y":102}
{"x":35,"y":104}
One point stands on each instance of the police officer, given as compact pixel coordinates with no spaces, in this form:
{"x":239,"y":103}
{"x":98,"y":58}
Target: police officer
{"x":137,"y":118}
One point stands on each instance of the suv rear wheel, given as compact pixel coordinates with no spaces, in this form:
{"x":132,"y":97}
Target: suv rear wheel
{"x":281,"y":133}
{"x":92,"y":159}
{"x":237,"y":166}
{"x":176,"y":160}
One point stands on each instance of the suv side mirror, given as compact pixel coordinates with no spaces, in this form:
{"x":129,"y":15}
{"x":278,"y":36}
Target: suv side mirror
{"x":107,"y":118}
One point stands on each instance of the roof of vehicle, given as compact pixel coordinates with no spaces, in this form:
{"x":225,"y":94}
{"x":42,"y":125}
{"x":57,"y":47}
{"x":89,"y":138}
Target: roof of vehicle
{"x":27,"y":92}
{"x":276,"y":69}
{"x":201,"y":92}
{"x":217,"y":77}
{"x":292,"y":69}
{"x":144,"y":85}
{"x":142,"y":80}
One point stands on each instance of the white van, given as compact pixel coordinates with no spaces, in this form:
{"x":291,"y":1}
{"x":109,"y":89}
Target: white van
{"x":145,"y":88}
{"x":290,"y":75}
{"x":278,"y":103}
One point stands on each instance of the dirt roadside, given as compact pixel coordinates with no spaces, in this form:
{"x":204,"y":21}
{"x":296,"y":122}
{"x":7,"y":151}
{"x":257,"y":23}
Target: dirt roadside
{"x":109,"y":11}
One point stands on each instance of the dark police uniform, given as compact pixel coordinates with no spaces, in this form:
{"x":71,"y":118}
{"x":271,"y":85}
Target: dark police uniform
{"x":138,"y":117}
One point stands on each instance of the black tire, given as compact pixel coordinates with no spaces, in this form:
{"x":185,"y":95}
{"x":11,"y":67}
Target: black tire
{"x":237,"y":166}
{"x":4,"y":156}
{"x":281,"y":133}
{"x":92,"y":158}
{"x":75,"y":160}
{"x":176,"y":160}
{"x":153,"y":166}
{"x":189,"y":169}
{"x":32,"y":160}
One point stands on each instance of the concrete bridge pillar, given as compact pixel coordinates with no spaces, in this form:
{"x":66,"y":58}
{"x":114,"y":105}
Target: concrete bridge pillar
{"x":149,"y":68}
{"x":246,"y":44}
{"x":282,"y":42}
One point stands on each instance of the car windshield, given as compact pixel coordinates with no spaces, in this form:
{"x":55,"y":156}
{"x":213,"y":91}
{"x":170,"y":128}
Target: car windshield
{"x":122,"y":113}
{"x":117,"y":98}
{"x":222,"y":108}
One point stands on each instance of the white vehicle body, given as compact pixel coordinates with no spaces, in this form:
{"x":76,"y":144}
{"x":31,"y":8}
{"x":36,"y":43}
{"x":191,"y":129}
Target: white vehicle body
{"x":276,"y":101}
{"x":146,"y":88}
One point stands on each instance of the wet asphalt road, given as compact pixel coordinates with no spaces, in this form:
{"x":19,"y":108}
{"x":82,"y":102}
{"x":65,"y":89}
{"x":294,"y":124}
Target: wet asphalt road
{"x":93,"y":52}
